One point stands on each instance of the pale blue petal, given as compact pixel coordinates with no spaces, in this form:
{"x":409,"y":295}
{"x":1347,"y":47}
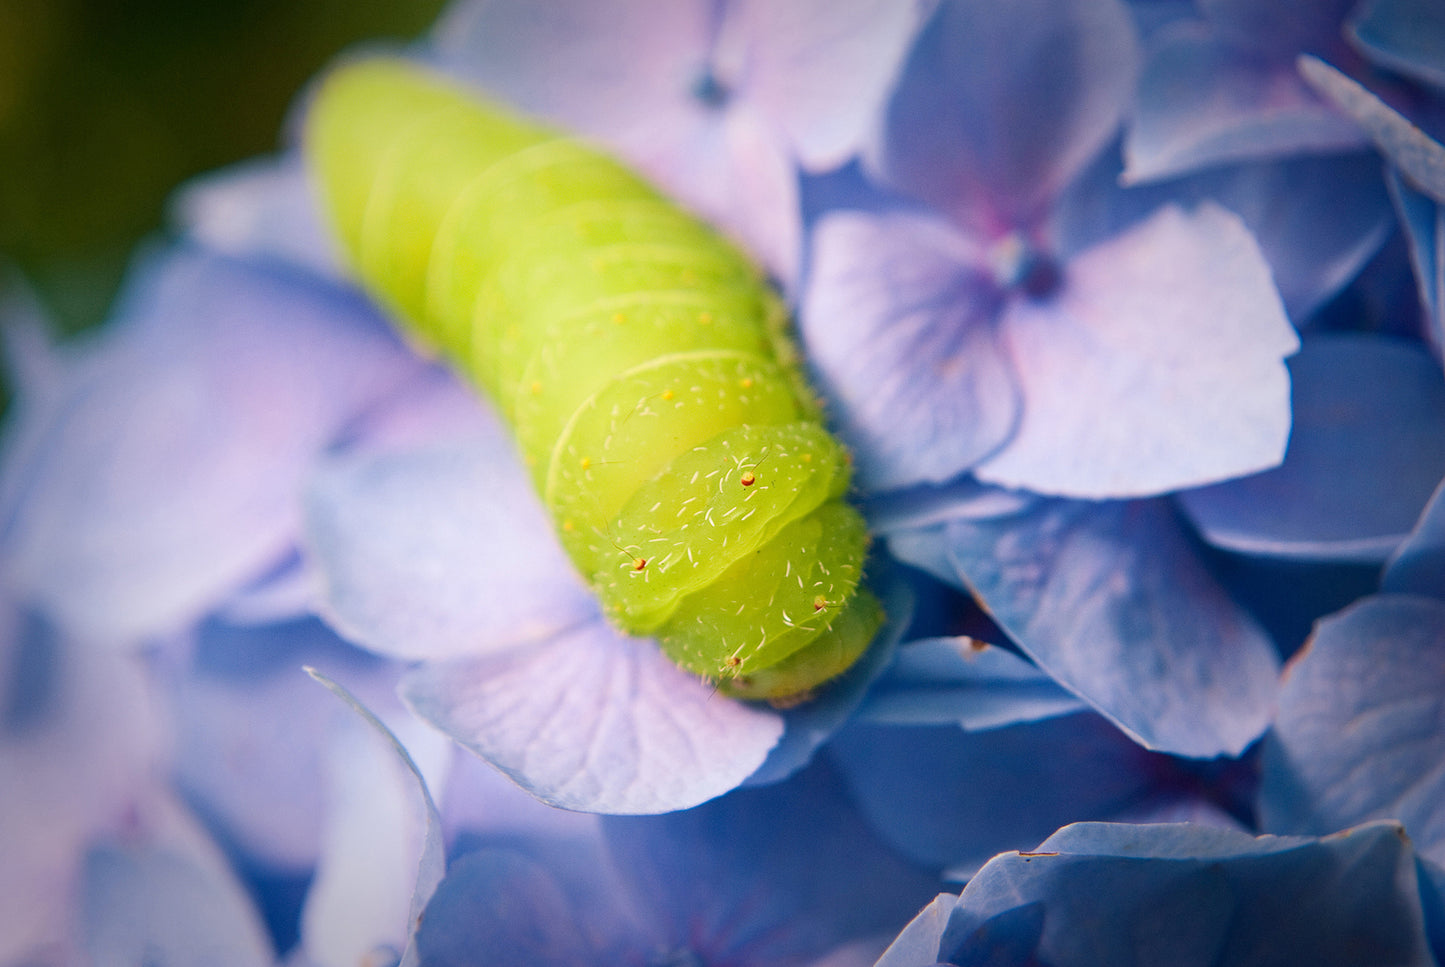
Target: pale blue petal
{"x":1112,"y":601}
{"x":1358,"y":735}
{"x":1181,"y":894}
{"x":820,"y":70}
{"x":899,"y":323}
{"x":1002,"y":104}
{"x":592,"y":721}
{"x":1366,"y":451}
{"x":952,"y":798}
{"x":1204,"y":102}
{"x":384,"y":854}
{"x":440,"y":552}
{"x":161,"y":903}
{"x":169,"y":464}
{"x":1420,"y":158}
{"x":918,"y":944}
{"x":1158,"y":365}
{"x":966,"y":682}
{"x":1404,"y":35}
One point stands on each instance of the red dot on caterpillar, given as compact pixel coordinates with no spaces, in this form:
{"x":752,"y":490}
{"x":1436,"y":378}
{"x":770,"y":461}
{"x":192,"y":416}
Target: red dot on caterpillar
{"x":748,"y":478}
{"x":639,"y":563}
{"x":819,"y":603}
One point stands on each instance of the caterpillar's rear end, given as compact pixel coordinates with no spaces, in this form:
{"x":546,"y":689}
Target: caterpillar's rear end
{"x":640,"y":359}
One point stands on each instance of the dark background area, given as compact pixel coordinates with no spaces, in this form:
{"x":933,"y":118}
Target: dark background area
{"x":108,"y":105}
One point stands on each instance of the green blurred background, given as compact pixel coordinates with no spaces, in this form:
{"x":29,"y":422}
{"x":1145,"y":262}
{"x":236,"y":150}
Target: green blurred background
{"x":107,"y":105}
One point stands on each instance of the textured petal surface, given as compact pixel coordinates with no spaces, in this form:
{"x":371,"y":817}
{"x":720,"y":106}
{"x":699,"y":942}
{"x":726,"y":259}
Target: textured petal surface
{"x":1112,"y":601}
{"x":1001,"y":104}
{"x":592,"y":721}
{"x":900,"y":325}
{"x":169,"y":466}
{"x":1423,"y":219}
{"x":441,"y":553}
{"x":1366,"y":451}
{"x":1158,"y":365}
{"x":1358,"y":732}
{"x":1126,"y":894}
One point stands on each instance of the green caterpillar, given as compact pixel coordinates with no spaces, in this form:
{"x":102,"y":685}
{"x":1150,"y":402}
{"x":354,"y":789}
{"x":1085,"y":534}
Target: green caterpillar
{"x":641,"y":360}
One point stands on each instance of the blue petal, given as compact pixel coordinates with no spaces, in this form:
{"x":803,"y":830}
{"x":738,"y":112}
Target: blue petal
{"x":1418,"y":566}
{"x":899,"y":322}
{"x":1158,"y":365}
{"x":164,"y":469}
{"x":1407,"y":36}
{"x":918,"y":943}
{"x":948,"y":797}
{"x":1170,"y":894}
{"x":592,"y":721}
{"x":1203,"y":102}
{"x":165,"y":904}
{"x":1112,"y":601}
{"x":1367,"y":449}
{"x":1358,"y":734}
{"x":508,"y":907}
{"x":1424,"y":222}
{"x":441,"y":552}
{"x":1420,"y":158}
{"x":1002,"y":104}
{"x":767,"y":881}
{"x":966,"y":682}
{"x":1278,"y":26}
{"x":384,"y":854}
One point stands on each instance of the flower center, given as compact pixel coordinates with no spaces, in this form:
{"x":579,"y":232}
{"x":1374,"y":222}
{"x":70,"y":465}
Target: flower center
{"x":1020,"y":266}
{"x":710,"y":90}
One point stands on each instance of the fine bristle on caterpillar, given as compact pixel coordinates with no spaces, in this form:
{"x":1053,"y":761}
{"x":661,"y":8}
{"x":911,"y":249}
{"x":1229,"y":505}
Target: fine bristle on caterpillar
{"x":641,"y":360}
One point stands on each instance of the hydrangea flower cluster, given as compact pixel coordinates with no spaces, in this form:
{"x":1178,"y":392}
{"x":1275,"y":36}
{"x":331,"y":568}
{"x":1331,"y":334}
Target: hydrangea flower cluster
{"x":1132,"y":314}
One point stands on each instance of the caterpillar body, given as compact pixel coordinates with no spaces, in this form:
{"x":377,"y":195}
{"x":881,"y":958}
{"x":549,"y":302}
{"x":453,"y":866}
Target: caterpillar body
{"x":642,"y":362}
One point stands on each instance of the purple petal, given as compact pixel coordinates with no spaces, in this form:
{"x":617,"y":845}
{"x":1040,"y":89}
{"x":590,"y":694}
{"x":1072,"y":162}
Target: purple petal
{"x":821,"y":69}
{"x":1420,"y":158}
{"x":919,"y":942}
{"x":1112,"y":601}
{"x":946,"y":797}
{"x":1418,"y":566}
{"x":1367,"y":449}
{"x":264,"y":209}
{"x":441,"y":552}
{"x":593,"y":721}
{"x":1358,"y":735}
{"x":1407,"y":36}
{"x":81,"y":743}
{"x":166,"y":470}
{"x":628,"y":75}
{"x":966,"y":682}
{"x":1128,"y":894}
{"x":1204,"y":102}
{"x":1159,"y":364}
{"x":1002,"y":104}
{"x":900,"y":327}
{"x":1279,"y":27}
